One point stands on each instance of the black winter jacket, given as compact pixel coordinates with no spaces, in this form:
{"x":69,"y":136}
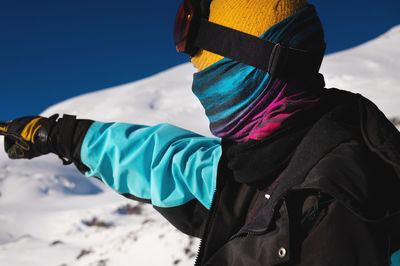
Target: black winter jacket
{"x":322,"y":191}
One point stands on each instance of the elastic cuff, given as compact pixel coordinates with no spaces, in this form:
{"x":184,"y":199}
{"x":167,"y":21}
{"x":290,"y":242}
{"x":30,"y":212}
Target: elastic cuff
{"x":67,"y":137}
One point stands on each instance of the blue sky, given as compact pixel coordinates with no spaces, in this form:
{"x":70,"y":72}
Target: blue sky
{"x":53,"y":50}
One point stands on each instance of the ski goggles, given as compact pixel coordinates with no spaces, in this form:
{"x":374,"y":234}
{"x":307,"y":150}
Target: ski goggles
{"x":193,"y":31}
{"x":186,"y":26}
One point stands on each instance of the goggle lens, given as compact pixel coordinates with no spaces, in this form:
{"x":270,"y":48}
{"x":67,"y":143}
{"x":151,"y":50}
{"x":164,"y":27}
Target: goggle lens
{"x":182,"y":25}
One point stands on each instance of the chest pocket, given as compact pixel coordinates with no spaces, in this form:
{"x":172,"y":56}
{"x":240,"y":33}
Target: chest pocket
{"x":306,"y":209}
{"x":314,"y":209}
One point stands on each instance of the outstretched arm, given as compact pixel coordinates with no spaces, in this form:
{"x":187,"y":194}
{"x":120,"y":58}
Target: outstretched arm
{"x":164,"y":164}
{"x":167,"y":166}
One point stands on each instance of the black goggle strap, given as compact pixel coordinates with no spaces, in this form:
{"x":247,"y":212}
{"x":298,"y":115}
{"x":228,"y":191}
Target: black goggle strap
{"x":275,"y":58}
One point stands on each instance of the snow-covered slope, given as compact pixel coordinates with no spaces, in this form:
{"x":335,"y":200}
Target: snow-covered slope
{"x":372,"y":69}
{"x":52,"y":215}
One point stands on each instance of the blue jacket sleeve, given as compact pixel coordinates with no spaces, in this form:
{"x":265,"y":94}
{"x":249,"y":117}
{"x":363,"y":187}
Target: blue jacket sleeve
{"x":165,"y":164}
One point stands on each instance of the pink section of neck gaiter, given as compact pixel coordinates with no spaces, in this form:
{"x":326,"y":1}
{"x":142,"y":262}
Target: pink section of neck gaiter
{"x":262,"y":123}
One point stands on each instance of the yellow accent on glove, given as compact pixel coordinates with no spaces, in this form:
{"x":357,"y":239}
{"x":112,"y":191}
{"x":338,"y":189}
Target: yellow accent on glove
{"x":29,"y":131}
{"x":3,"y":127}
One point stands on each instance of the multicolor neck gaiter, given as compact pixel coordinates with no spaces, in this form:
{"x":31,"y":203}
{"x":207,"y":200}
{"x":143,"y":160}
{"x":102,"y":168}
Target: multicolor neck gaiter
{"x":243,"y":102}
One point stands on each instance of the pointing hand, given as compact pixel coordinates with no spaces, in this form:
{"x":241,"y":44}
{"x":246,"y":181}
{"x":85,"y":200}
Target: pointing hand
{"x":27,"y":137}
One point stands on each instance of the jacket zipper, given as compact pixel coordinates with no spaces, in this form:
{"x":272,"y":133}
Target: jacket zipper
{"x":206,"y":230}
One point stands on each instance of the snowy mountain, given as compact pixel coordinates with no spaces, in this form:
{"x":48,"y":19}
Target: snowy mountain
{"x":52,"y":215}
{"x":372,"y":69}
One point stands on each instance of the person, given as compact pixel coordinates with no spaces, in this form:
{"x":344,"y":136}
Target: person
{"x":297,"y":174}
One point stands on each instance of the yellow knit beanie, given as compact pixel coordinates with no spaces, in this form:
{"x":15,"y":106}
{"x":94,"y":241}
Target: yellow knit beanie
{"x":250,"y":16}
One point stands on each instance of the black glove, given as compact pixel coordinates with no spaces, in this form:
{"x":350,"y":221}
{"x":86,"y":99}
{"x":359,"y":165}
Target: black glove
{"x":27,"y":137}
{"x":32,"y":136}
